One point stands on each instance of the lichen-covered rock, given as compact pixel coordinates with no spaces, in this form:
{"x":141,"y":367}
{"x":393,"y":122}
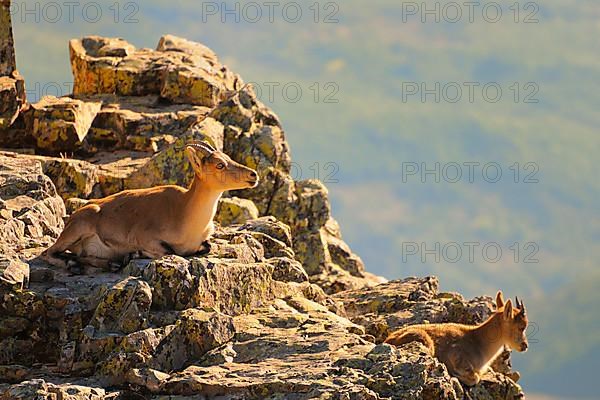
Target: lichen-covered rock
{"x":280,"y":347}
{"x":99,"y":176}
{"x":194,"y":49}
{"x":124,"y":307}
{"x":233,"y":211}
{"x":144,"y":124}
{"x":312,"y":251}
{"x":406,"y":373}
{"x":171,"y":279}
{"x":288,"y":270}
{"x":12,"y":100}
{"x":7,"y":46}
{"x":341,"y":255}
{"x":186,"y":84}
{"x":178,"y":70}
{"x":195,"y":333}
{"x":60,"y":124}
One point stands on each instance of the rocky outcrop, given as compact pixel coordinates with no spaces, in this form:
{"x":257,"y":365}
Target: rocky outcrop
{"x":12,"y":85}
{"x":31,"y":215}
{"x":280,"y":308}
{"x":7,"y":47}
{"x":121,"y":103}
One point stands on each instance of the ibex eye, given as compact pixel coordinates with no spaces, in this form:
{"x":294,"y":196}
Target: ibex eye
{"x":220,"y":166}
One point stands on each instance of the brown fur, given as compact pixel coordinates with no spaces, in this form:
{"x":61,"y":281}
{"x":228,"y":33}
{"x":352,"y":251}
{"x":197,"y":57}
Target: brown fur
{"x":153,"y":222}
{"x":468,"y":350}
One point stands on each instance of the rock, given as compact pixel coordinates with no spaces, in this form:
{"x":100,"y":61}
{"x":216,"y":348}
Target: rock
{"x":312,"y":251}
{"x":288,"y":270}
{"x":107,"y":66}
{"x":12,"y":100}
{"x":235,"y":211}
{"x":99,"y":176}
{"x":30,"y":210}
{"x":172,"y":282}
{"x":124,"y":307}
{"x":178,"y":70}
{"x":334,"y":279}
{"x":341,"y":255}
{"x":39,"y":389}
{"x":174,"y":43}
{"x":73,"y":178}
{"x":136,"y":123}
{"x":7,"y":46}
{"x":60,"y":124}
{"x":13,"y":273}
{"x":281,"y":351}
{"x":234,"y":288}
{"x":148,"y":378}
{"x":313,"y":210}
{"x":270,"y":227}
{"x":185,"y":84}
{"x":195,"y":333}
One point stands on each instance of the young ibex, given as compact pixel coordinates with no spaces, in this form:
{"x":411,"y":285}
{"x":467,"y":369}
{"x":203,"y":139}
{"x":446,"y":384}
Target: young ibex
{"x":469,"y":350}
{"x":151,"y":222}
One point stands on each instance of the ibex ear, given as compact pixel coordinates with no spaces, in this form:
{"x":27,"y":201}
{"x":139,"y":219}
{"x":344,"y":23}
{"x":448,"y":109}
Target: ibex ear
{"x":191,"y":154}
{"x":194,"y":157}
{"x":508,"y":309}
{"x":499,"y":300}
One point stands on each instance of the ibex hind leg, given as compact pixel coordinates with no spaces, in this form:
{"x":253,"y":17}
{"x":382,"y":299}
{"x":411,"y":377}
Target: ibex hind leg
{"x":77,"y":229}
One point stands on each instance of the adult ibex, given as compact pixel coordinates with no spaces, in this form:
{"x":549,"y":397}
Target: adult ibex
{"x":469,"y":350}
{"x":151,"y":222}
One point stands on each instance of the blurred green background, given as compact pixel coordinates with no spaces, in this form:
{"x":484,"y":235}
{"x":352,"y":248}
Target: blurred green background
{"x":356,"y":127}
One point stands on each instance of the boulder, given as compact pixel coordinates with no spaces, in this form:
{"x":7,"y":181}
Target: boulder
{"x":124,"y":307}
{"x":235,"y":211}
{"x":178,"y":70}
{"x":14,"y":273}
{"x":31,"y":212}
{"x":195,"y":333}
{"x":12,"y":100}
{"x":60,"y":124}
